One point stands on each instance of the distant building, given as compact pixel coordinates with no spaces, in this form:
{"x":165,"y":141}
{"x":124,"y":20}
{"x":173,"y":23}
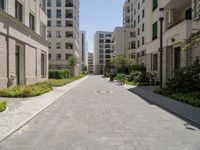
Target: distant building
{"x":63,"y":32}
{"x":23,"y":44}
{"x":102,"y":51}
{"x":90,"y":63}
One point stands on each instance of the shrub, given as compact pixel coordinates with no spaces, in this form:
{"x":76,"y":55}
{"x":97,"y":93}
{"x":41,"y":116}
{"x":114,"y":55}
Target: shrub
{"x":2,"y":105}
{"x":192,"y":98}
{"x":59,"y":74}
{"x":186,"y":79}
{"x":121,"y":78}
{"x":137,"y":76}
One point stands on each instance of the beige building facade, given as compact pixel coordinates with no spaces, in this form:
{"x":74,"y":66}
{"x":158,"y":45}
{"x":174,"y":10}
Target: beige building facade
{"x":23,"y":44}
{"x":178,"y":26}
{"x":63,"y":33}
{"x":102,"y":51}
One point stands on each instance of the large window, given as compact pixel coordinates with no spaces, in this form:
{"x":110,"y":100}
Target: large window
{"x":49,"y":3}
{"x":18,"y":11}
{"x":49,"y":13}
{"x":58,"y":3}
{"x":58,"y":23}
{"x":49,"y":23}
{"x":155,"y":31}
{"x":58,"y":13}
{"x":58,"y":34}
{"x":154,"y":61}
{"x":155,"y":4}
{"x":58,"y":56}
{"x":31,"y":21}
{"x":43,"y":65}
{"x":2,"y":4}
{"x":68,"y":45}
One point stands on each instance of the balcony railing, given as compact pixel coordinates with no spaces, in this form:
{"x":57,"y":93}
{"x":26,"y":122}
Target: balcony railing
{"x":171,"y":25}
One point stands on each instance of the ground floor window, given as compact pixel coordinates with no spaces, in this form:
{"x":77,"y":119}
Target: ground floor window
{"x":154,"y":62}
{"x":2,"y":6}
{"x":43,"y":65}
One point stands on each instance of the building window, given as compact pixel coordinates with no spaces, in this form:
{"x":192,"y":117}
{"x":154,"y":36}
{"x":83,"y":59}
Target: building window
{"x":155,"y":31}
{"x":58,"y":45}
{"x":69,"y":3}
{"x":143,"y":27}
{"x":69,"y":46}
{"x":49,"y":23}
{"x":67,"y":56}
{"x":50,"y":45}
{"x":154,"y":61}
{"x":58,"y":23}
{"x":58,"y":13}
{"x":2,"y":4}
{"x":155,"y":4}
{"x":58,"y":56}
{"x":177,"y":57}
{"x":138,"y":44}
{"x":50,"y":56}
{"x":139,"y":19}
{"x":69,"y":23}
{"x":58,"y":34}
{"x":138,"y":31}
{"x":31,"y":21}
{"x":69,"y":34}
{"x":142,"y":40}
{"x":43,"y":65}
{"x":49,"y":3}
{"x":143,"y":13}
{"x":18,"y":11}
{"x":58,"y":3}
{"x":49,"y":13}
{"x":49,"y":34}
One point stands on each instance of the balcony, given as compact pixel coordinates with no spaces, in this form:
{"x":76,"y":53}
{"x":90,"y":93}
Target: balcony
{"x":177,"y":32}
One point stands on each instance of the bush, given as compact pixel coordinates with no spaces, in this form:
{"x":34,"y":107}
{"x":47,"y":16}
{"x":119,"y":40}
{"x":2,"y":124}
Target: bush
{"x":186,"y":79}
{"x":59,"y":74}
{"x":2,"y":105}
{"x":137,"y":76}
{"x":121,"y":78}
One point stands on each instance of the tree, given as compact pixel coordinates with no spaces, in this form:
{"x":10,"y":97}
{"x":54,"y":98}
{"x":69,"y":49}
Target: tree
{"x":121,"y":63}
{"x":72,"y":61}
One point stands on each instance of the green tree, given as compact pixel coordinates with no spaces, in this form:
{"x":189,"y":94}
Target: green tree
{"x":72,"y":61}
{"x":121,"y":63}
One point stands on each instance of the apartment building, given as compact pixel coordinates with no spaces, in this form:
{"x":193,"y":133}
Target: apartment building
{"x":135,"y":17}
{"x":63,"y":33}
{"x":102,"y":51}
{"x":123,"y":42}
{"x":23,"y":44}
{"x":178,"y":26}
{"x":90,"y":63}
{"x":83,"y":53}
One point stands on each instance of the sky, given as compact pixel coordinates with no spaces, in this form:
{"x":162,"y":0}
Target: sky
{"x":100,"y":15}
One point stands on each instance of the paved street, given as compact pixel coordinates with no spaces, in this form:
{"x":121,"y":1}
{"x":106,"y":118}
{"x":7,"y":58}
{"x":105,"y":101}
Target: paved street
{"x":99,"y":115}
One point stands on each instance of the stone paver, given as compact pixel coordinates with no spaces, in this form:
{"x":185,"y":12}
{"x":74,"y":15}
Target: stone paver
{"x":22,"y":109}
{"x":89,"y":118}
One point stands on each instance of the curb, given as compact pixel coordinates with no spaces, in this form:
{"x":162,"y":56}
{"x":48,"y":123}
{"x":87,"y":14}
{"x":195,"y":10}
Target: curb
{"x":10,"y":132}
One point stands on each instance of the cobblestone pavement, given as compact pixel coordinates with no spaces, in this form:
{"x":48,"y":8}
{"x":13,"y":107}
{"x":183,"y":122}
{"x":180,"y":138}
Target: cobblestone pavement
{"x":99,"y":115}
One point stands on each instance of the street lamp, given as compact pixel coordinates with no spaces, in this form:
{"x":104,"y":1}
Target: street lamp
{"x":161,"y":45}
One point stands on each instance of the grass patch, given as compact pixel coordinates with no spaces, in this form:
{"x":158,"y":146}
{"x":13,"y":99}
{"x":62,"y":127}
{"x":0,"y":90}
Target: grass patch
{"x":137,"y":83}
{"x":2,"y":105}
{"x":36,"y":89}
{"x":192,"y":97}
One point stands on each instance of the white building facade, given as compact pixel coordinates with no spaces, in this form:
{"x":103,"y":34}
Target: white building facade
{"x":178,"y":26}
{"x":63,"y":33}
{"x":102,"y":51}
{"x":23,"y":44}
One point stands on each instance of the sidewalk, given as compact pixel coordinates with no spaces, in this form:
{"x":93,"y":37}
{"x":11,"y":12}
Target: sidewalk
{"x":22,"y":110}
{"x":183,"y":110}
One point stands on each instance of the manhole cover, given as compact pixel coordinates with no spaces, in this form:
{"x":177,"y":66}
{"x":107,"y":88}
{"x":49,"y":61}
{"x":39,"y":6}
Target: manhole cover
{"x":103,"y":92}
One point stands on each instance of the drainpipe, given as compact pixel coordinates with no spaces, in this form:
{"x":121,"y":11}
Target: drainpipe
{"x":7,"y":48}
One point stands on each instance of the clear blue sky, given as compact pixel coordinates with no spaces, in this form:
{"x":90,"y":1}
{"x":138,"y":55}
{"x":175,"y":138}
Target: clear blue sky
{"x":103,"y":15}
